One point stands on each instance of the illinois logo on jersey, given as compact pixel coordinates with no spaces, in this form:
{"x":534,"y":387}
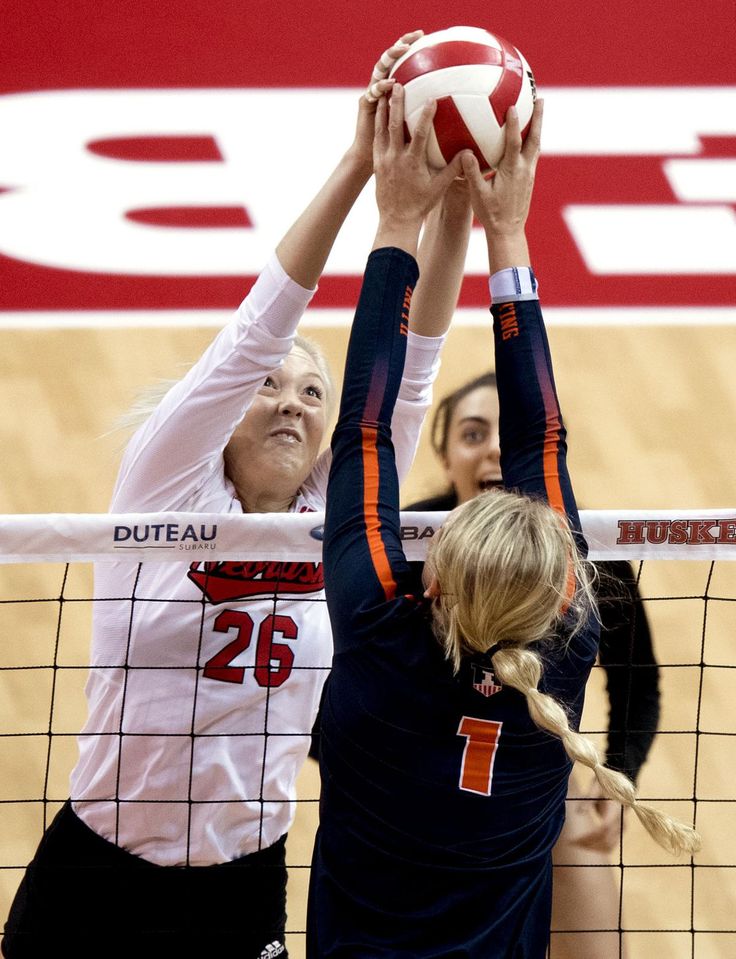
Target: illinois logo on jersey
{"x":484,"y":681}
{"x":227,"y":582}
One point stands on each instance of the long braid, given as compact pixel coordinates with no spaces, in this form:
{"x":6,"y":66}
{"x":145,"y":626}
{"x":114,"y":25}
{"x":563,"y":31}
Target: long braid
{"x":522,"y":670}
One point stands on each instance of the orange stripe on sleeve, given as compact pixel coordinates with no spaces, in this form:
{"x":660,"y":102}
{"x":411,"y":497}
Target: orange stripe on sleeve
{"x":549,"y":465}
{"x":551,"y":472}
{"x":554,"y":496}
{"x":370,"y":512}
{"x":551,"y":445}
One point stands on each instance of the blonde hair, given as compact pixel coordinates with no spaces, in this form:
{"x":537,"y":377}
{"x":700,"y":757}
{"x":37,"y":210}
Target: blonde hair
{"x":509,"y":571}
{"x":151,"y":396}
{"x":505,"y":564}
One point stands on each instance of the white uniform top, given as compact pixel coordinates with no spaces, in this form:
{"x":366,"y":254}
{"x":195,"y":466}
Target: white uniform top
{"x":197,"y":725}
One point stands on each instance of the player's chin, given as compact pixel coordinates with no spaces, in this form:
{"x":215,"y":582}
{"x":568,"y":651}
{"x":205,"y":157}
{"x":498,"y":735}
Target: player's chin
{"x":296,"y":463}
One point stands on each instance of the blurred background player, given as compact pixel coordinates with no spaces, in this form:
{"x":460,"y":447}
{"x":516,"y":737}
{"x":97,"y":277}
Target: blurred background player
{"x":464,"y":435}
{"x":441,"y":795}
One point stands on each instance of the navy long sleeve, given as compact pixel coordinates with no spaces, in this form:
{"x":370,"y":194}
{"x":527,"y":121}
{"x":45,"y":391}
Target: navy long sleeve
{"x":363,"y":558}
{"x":532,"y":433}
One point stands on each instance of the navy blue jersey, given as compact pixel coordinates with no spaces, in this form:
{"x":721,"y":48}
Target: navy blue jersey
{"x":441,"y":800}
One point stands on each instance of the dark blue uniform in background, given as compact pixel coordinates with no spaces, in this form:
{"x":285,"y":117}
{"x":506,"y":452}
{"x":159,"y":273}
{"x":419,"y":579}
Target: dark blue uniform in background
{"x":441,"y":800}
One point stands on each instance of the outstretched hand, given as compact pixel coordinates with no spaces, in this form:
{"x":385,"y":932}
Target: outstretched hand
{"x":406,"y":186}
{"x":378,"y":87}
{"x":502,"y":201}
{"x":386,"y":61}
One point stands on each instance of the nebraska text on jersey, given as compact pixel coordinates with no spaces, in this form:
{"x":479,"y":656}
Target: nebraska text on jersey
{"x":228,"y":581}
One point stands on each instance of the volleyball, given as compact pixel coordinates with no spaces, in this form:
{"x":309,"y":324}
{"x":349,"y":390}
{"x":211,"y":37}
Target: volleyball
{"x":474,"y":76}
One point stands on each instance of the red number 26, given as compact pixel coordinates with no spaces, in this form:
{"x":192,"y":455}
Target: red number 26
{"x":273,"y":660}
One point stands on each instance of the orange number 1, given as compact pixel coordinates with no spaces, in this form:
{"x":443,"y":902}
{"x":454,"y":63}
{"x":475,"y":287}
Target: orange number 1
{"x":481,"y":743}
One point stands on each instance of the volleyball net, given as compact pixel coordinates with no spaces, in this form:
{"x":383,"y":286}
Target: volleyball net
{"x":682,"y":563}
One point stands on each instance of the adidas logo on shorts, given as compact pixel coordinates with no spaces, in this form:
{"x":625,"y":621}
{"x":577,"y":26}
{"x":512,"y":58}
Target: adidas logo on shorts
{"x":273,"y":949}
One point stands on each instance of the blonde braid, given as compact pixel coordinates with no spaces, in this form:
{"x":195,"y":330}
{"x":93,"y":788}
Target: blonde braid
{"x":522,"y":670}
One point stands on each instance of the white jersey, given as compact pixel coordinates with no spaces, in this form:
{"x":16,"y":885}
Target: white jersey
{"x":206,"y":676}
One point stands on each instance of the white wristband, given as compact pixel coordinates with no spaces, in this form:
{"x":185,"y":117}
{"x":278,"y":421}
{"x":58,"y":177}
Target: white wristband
{"x":514,"y":283}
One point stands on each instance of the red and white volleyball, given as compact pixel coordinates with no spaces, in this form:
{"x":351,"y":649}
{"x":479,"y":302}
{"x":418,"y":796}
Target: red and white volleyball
{"x":475,"y":76}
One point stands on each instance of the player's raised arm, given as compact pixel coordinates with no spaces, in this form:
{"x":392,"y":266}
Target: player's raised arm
{"x":533,"y":436}
{"x":362,"y":551}
{"x":502,"y":201}
{"x":194,"y":422}
{"x":304,"y":249}
{"x":441,"y":257}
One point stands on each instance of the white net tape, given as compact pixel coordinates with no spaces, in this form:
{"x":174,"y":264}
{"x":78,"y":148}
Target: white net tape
{"x":176,"y":537}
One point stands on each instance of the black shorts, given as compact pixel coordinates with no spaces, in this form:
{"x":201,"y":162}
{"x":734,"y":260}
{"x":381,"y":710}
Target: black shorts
{"x":86,"y":897}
